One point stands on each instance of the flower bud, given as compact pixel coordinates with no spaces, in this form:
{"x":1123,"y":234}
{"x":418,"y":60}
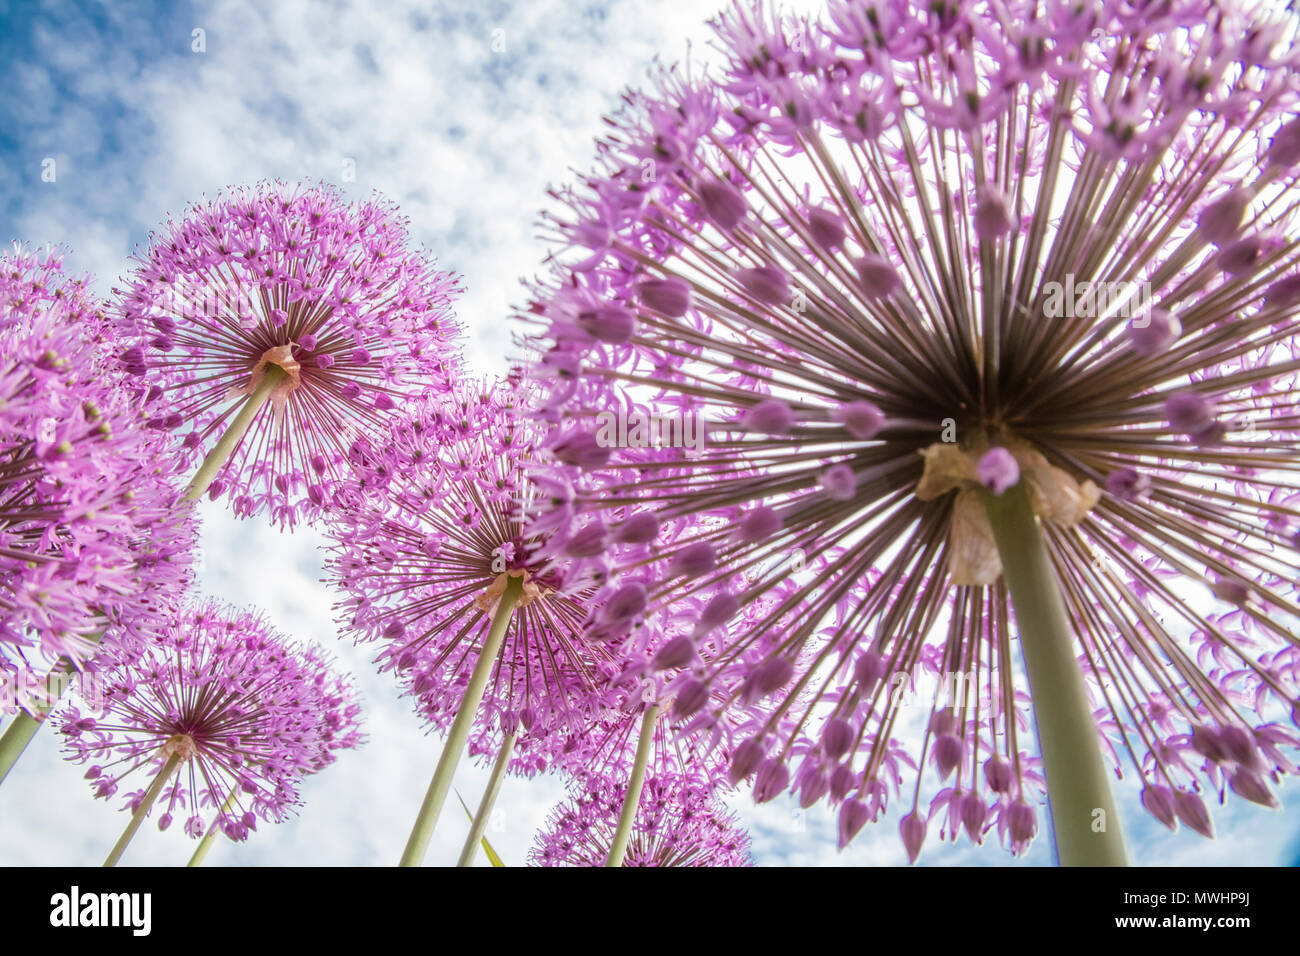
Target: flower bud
{"x":1127,"y":484}
{"x":861,"y":419}
{"x":770,"y":780}
{"x":722,"y":203}
{"x":942,"y":722}
{"x":625,"y":603}
{"x":974,"y":812}
{"x":1220,"y":220}
{"x":758,"y":525}
{"x":766,"y":284}
{"x":1159,"y":802}
{"x":641,"y":528}
{"x":1240,"y":256}
{"x":839,"y":482}
{"x":878,"y":276}
{"x":580,"y":449}
{"x":813,"y":788}
{"x":587,"y":542}
{"x":869,"y":668}
{"x":843,"y":779}
{"x":1188,"y":412}
{"x":1284,"y":149}
{"x":1284,"y":293}
{"x":669,"y":297}
{"x":692,"y":697}
{"x":1205,"y":741}
{"x":773,"y":675}
{"x":693,"y":561}
{"x":947,"y":754}
{"x":1239,"y":744}
{"x":826,"y":227}
{"x":678,"y":652}
{"x":1154,"y":331}
{"x":746,"y":759}
{"x":1247,"y":783}
{"x":837,"y":737}
{"x":721,"y":609}
{"x":1022,"y":825}
{"x":771,"y":416}
{"x":912,"y":830}
{"x":992,"y":214}
{"x":1191,"y":810}
{"x":998,"y":773}
{"x":853,"y":817}
{"x":611,"y":324}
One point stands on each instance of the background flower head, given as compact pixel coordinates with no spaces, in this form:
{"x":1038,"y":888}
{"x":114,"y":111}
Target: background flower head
{"x":679,"y":822}
{"x":91,"y":536}
{"x":325,"y":295}
{"x":435,"y":524}
{"x":247,"y":711}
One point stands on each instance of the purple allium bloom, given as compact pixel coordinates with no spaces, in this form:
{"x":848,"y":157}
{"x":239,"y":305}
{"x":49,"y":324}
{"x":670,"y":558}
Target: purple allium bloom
{"x":970,"y":208}
{"x":91,"y":531}
{"x":679,"y":822}
{"x":434,"y":526}
{"x":328,"y":291}
{"x":248,"y":712}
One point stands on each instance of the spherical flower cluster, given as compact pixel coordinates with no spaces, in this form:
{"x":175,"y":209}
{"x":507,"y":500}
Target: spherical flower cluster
{"x":246,"y":712}
{"x":902,"y":260}
{"x":433,"y":531}
{"x":679,"y":822}
{"x":315,"y":305}
{"x":90,"y":531}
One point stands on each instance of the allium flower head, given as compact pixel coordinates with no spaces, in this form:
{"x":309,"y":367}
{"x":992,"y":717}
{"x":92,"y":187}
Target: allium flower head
{"x":90,"y":532}
{"x":909,"y":256}
{"x":324,"y":295}
{"x":679,"y":822}
{"x":433,"y":529}
{"x":247,"y":711}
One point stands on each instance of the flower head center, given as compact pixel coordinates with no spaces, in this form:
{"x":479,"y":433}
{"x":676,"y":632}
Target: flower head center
{"x":181,"y":746}
{"x":280,"y":356}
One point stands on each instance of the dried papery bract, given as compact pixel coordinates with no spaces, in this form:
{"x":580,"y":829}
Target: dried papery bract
{"x":934,"y":279}
{"x":273,"y":327}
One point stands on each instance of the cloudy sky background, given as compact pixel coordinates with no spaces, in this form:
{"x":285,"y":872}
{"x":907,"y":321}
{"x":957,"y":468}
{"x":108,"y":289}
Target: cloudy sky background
{"x":463,"y":113}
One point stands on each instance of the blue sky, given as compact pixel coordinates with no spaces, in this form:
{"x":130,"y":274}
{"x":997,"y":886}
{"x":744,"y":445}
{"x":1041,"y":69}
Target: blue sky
{"x":462,"y":113}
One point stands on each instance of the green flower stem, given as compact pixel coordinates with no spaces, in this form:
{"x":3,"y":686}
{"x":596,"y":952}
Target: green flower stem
{"x":485,"y":805}
{"x":632,"y":799}
{"x":17,"y":736}
{"x":20,"y":732}
{"x":1078,"y":785}
{"x":201,"y":851}
{"x":418,"y":842}
{"x":137,"y":818}
{"x":234,"y":434}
